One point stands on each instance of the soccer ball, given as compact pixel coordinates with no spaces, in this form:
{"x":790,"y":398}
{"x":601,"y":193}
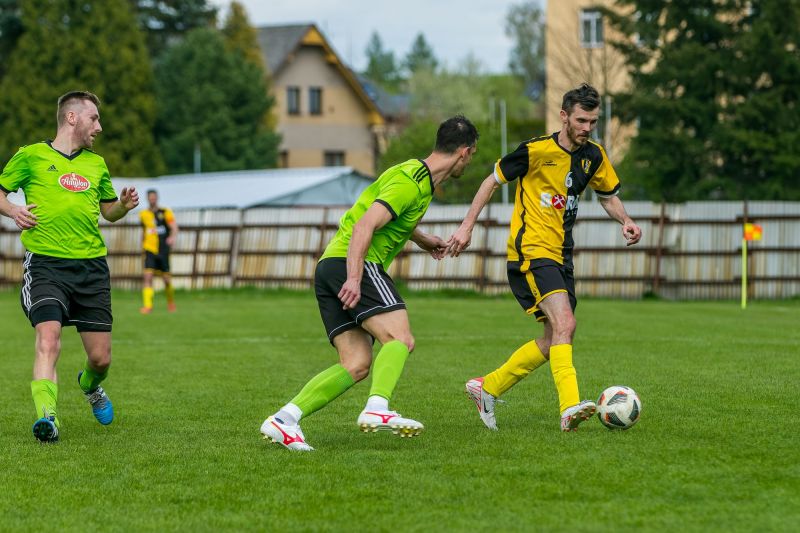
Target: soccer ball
{"x":619,"y":407}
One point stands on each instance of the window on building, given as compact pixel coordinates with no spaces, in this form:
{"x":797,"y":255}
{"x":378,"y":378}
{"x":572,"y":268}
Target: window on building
{"x":591,"y":28}
{"x":334,"y":159}
{"x":293,"y":100}
{"x":315,"y":100}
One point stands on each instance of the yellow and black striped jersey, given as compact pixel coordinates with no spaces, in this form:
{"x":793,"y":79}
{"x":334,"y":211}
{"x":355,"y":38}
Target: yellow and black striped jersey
{"x":550,"y":181}
{"x":155,"y":226}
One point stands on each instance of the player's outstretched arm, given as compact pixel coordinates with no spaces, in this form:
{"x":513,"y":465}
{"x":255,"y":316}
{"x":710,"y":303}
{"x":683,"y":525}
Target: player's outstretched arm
{"x":630,"y":231}
{"x":113,"y":211}
{"x":460,"y":240}
{"x":432,"y":244}
{"x":20,"y":214}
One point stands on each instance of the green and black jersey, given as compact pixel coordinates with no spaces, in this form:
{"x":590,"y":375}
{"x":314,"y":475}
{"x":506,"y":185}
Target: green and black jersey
{"x":406,"y":191}
{"x":67,"y":191}
{"x":551,"y":179}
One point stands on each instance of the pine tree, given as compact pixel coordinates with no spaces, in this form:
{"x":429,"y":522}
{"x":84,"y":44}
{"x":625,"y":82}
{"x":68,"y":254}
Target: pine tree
{"x":714,"y":93}
{"x":758,"y":130}
{"x":10,"y":30}
{"x":241,"y":37}
{"x":219,"y":110}
{"x":381,"y":65}
{"x":88,"y":45}
{"x":166,"y":22}
{"x":421,"y":56}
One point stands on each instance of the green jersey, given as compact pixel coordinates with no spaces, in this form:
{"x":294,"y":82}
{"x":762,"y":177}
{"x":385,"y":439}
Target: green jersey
{"x":406,"y":191}
{"x":67,"y":191}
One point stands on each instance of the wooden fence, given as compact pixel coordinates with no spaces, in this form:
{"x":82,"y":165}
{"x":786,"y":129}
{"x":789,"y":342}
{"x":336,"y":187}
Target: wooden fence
{"x":689,"y":251}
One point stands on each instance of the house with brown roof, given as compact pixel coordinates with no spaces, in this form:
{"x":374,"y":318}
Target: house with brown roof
{"x":322,"y":111}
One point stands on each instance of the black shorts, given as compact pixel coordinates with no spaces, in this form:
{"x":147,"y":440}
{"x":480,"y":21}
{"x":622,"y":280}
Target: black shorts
{"x":157,"y":262}
{"x":378,"y":295}
{"x":75,"y":292}
{"x":532,"y":281}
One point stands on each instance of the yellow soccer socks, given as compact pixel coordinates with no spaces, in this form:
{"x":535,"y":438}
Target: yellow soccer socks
{"x":564,"y":375}
{"x":525,"y":360}
{"x":147,"y":298}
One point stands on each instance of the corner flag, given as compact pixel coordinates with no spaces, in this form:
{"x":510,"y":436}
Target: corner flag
{"x":752,"y":232}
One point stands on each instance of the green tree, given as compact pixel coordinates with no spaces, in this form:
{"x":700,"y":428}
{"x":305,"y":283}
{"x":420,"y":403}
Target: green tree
{"x":436,"y":96}
{"x":525,"y":25}
{"x":760,"y":118}
{"x":165,"y":22}
{"x":381,"y":65}
{"x":421,"y":56}
{"x":10,"y":30}
{"x":94,"y":46}
{"x":714,"y":93}
{"x":241,"y":37}
{"x":220,"y":110}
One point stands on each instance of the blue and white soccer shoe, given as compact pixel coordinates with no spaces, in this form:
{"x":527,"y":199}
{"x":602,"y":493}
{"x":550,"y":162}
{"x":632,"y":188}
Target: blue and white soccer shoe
{"x":45,"y":429}
{"x":102,"y":409}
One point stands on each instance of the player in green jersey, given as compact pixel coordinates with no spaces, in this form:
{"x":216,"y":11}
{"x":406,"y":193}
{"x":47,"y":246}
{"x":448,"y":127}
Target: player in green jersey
{"x":66,"y":280}
{"x":357,"y":299}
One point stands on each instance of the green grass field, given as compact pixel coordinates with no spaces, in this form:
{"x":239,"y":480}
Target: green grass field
{"x":716,"y":448}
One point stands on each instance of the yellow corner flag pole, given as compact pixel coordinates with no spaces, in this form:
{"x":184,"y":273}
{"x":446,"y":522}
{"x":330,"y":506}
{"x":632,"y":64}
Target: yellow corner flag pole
{"x":744,"y":272}
{"x":751,"y":232}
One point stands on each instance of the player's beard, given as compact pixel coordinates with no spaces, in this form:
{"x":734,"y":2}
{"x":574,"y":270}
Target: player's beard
{"x":84,"y":135}
{"x":575,"y":138}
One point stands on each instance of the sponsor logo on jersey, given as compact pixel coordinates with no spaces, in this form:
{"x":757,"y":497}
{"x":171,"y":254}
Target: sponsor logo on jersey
{"x":549,"y":163}
{"x":52,"y":169}
{"x":559,"y":201}
{"x":74,"y":182}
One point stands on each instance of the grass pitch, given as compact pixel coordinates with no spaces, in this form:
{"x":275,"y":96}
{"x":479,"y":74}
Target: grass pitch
{"x":716,"y":448}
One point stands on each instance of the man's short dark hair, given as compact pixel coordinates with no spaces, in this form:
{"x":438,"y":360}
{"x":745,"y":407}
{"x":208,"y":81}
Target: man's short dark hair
{"x":73,"y":96}
{"x":585,"y":96}
{"x":454,"y":133}
{"x":152,"y":191}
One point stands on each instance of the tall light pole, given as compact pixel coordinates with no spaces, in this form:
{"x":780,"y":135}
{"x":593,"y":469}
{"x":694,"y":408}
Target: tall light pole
{"x":503,"y":142}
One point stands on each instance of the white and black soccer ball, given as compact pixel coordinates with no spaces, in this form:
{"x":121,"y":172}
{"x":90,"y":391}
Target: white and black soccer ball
{"x":619,"y":407}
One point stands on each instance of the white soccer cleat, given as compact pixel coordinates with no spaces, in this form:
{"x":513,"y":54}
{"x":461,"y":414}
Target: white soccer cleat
{"x":290,"y":437}
{"x":573,"y":416}
{"x":483,"y":401}
{"x":375,"y":420}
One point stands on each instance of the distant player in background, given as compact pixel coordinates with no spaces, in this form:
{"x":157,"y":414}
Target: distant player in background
{"x":552,"y":172}
{"x":66,"y":281}
{"x":357,"y":299}
{"x":159,"y":232}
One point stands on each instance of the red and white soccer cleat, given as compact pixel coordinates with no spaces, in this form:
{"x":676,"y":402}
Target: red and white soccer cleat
{"x":375,"y":420}
{"x":573,"y":416}
{"x":483,"y":401}
{"x":290,"y":437}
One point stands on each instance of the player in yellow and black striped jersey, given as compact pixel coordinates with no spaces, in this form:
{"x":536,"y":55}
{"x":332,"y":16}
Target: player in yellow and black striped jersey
{"x":551,"y":173}
{"x":159,"y":230}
